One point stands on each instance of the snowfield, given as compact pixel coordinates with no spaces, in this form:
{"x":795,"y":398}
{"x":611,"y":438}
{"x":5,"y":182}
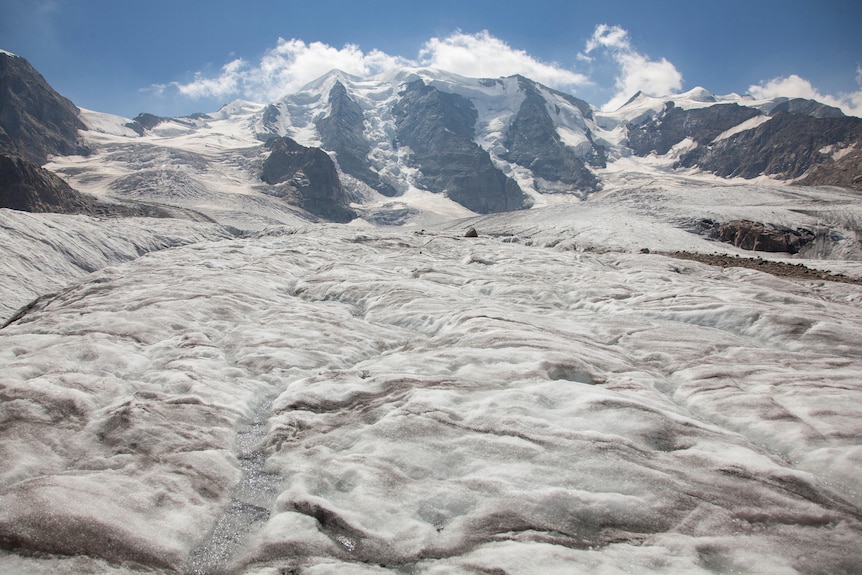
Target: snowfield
{"x":340,"y":399}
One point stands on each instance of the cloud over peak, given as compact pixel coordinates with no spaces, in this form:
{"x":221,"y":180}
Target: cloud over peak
{"x":636,"y":71}
{"x":484,"y":56}
{"x":794,"y":86}
{"x":291,"y":64}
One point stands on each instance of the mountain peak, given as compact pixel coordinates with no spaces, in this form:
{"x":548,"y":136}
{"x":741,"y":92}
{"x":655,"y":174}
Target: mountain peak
{"x":698,"y":94}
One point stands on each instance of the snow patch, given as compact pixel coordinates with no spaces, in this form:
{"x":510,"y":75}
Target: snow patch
{"x":749,"y":124}
{"x":107,"y":123}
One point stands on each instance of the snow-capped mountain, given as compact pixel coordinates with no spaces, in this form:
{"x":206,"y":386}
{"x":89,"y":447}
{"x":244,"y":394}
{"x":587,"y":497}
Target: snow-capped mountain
{"x":414,"y":144}
{"x":598,"y":379}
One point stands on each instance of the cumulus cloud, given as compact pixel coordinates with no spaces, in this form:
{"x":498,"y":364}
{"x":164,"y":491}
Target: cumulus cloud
{"x":794,"y":86}
{"x":293,"y":63}
{"x":284,"y":70}
{"x":484,"y":56}
{"x":636,"y":71}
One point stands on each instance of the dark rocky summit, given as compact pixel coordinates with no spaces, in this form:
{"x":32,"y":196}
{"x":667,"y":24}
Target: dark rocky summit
{"x":805,"y":107}
{"x":786,"y":146}
{"x":438,"y":127}
{"x":533,"y":142}
{"x":35,"y":121}
{"x":145,"y":121}
{"x":674,"y":124}
{"x":305,"y":177}
{"x":342,"y":132}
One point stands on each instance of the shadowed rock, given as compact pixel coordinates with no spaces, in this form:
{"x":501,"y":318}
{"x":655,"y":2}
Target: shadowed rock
{"x":306,"y":177}
{"x":342,"y":132}
{"x":35,"y":121}
{"x":438,"y":127}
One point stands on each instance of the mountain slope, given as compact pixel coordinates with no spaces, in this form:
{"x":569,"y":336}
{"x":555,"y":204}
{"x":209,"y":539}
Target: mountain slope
{"x":421,"y":145}
{"x":35,"y":121}
{"x":438,"y":129}
{"x":308,"y":177}
{"x":787,"y":146}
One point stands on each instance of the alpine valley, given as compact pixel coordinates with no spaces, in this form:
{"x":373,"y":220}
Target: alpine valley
{"x":421,"y":323}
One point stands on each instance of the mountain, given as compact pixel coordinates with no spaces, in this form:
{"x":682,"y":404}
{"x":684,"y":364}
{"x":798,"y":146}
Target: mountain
{"x":415,"y":145}
{"x":307,"y":176}
{"x":35,"y":121}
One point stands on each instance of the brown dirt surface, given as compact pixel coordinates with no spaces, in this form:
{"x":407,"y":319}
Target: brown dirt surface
{"x":781,"y":269}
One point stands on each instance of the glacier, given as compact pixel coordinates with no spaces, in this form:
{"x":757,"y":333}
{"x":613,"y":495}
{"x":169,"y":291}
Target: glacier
{"x":321,"y":398}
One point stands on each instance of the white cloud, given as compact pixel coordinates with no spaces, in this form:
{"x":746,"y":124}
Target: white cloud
{"x":293,"y":63}
{"x":484,"y":56}
{"x":283,"y":70}
{"x":794,"y":86}
{"x":227,"y":82}
{"x":636,"y":71}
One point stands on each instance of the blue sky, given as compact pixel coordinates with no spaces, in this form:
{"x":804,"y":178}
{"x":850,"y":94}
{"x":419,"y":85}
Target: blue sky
{"x":181,"y":56}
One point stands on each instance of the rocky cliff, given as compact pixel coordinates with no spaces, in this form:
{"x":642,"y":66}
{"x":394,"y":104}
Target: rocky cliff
{"x":438,"y":128}
{"x":305,"y":177}
{"x":342,"y":132}
{"x":35,"y":121}
{"x":24,"y":186}
{"x":787,"y":146}
{"x":534,"y":142}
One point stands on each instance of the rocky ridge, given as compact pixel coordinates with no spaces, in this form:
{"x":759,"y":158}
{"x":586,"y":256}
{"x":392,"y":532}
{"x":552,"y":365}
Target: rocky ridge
{"x":438,"y":128}
{"x":35,"y":120}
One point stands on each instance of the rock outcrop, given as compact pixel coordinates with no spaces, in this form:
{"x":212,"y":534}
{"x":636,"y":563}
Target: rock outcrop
{"x":305,"y":177}
{"x":761,"y":237}
{"x":534,"y":142}
{"x":438,"y":127}
{"x":342,"y":131}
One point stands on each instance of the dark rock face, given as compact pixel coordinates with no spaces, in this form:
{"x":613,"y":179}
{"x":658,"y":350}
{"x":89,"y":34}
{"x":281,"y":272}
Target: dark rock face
{"x":806,"y":107}
{"x":761,"y":237}
{"x":439,"y":128}
{"x":306,"y":177}
{"x":673,"y":125}
{"x":342,"y":132}
{"x":145,"y":121}
{"x":786,"y":146}
{"x":35,"y":121}
{"x":533,"y":142}
{"x":845,"y":172}
{"x":26,"y":187}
